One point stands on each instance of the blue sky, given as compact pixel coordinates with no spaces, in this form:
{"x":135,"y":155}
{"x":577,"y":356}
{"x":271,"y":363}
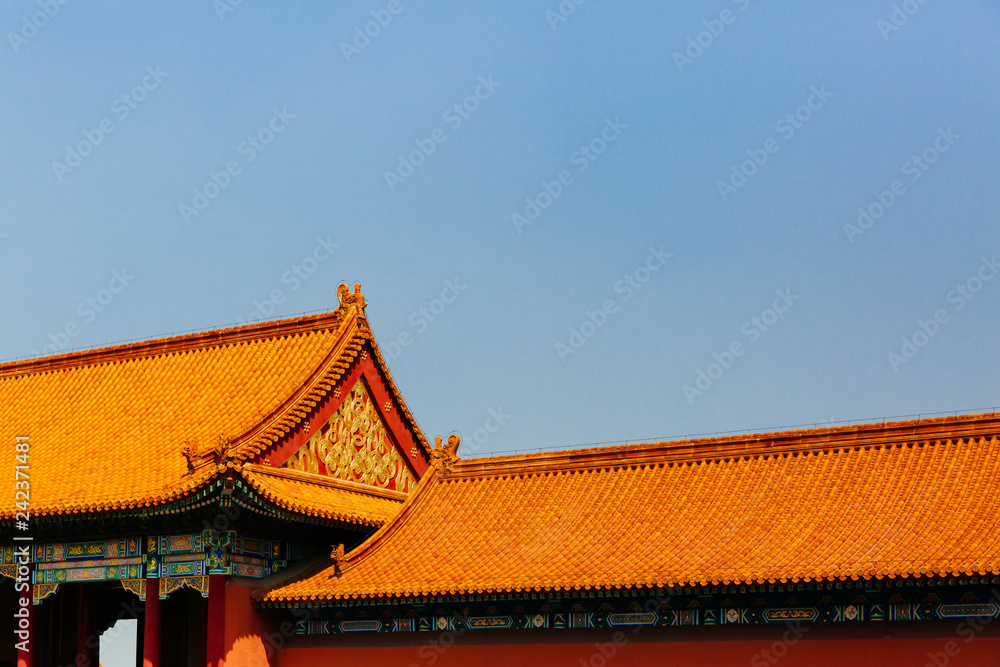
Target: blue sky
{"x":822,"y":108}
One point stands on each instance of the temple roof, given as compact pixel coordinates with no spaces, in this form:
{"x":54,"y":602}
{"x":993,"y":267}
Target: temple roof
{"x":897,"y":500}
{"x":314,"y":495}
{"x":150,"y":423}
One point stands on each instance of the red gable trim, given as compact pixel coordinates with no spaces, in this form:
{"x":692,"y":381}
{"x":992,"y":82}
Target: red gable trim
{"x":363,"y":368}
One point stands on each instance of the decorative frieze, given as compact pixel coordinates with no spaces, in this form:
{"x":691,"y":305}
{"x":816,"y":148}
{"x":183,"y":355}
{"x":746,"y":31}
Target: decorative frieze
{"x":137,"y":586}
{"x":178,"y":560}
{"x":169,"y":585}
{"x":41,"y":591}
{"x":512,"y":613}
{"x":96,"y":550}
{"x":110,"y":569}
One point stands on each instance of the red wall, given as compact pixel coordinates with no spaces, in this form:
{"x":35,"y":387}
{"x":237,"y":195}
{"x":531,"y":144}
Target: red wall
{"x":252,"y":638}
{"x":937,"y":644}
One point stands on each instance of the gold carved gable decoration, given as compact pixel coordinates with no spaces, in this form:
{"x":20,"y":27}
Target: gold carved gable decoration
{"x":355,"y":446}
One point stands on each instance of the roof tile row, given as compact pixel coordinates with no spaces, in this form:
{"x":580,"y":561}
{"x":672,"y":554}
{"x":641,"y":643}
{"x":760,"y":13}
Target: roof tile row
{"x":652,"y":518}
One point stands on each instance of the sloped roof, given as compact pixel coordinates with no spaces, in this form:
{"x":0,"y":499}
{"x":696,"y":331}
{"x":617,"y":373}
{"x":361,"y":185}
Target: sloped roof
{"x":148,"y":423}
{"x":313,"y":495}
{"x":903,"y":499}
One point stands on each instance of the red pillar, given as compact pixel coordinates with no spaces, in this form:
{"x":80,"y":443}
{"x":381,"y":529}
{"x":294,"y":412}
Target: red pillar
{"x":216,"y":625}
{"x":87,"y":641}
{"x":26,"y":658}
{"x":151,"y":625}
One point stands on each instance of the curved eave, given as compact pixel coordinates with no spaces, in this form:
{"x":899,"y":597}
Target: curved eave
{"x":328,"y":499}
{"x":168,"y":498}
{"x":208,"y":491}
{"x":266,"y":599}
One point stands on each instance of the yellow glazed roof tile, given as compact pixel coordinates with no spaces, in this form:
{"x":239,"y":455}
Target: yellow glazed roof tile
{"x":313,"y":495}
{"x":899,"y":499}
{"x":148,"y":423}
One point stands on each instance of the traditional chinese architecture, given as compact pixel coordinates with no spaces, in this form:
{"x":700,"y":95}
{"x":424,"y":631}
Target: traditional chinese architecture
{"x":262,"y":496}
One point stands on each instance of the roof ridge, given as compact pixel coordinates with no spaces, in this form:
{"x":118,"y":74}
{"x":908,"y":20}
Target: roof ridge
{"x":294,"y":410}
{"x":198,"y":340}
{"x":863,"y":513}
{"x":208,"y":412}
{"x":799,"y":441}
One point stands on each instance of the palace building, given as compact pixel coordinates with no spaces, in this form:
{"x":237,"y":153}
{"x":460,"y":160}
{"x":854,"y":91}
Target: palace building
{"x":261,"y":496}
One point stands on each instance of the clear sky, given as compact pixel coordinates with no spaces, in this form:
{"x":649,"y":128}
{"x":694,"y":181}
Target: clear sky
{"x":689,"y":174}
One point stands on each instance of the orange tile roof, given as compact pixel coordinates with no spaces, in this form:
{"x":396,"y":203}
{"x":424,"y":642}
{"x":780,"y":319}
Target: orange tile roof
{"x":315,"y":495}
{"x":904,"y":499}
{"x":149,"y":423}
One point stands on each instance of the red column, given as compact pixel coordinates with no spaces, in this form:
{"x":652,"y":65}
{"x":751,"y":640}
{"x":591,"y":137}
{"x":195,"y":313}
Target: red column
{"x":216,"y":625}
{"x":151,"y":625}
{"x":87,"y":641}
